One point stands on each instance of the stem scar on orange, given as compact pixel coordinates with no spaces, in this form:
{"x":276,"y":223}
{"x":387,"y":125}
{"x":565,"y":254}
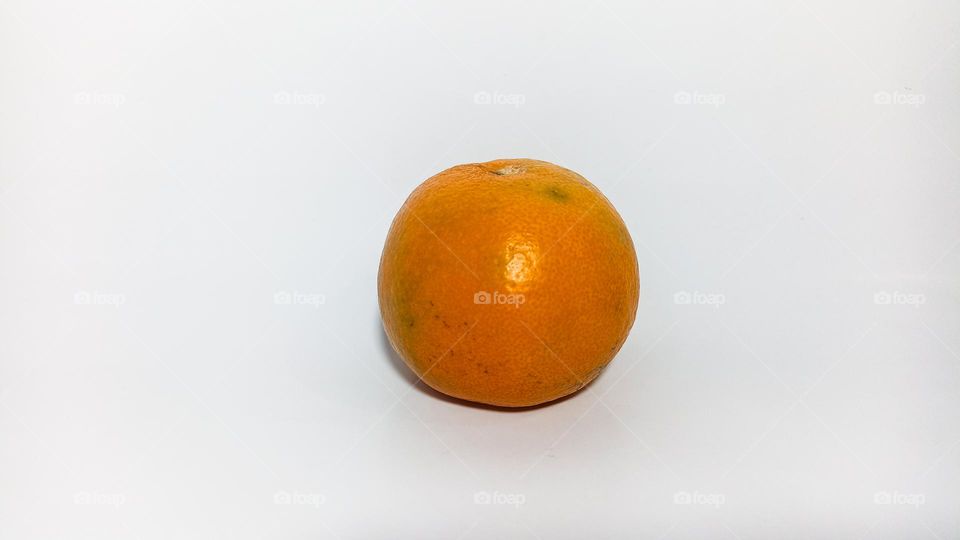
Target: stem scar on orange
{"x":510,"y":283}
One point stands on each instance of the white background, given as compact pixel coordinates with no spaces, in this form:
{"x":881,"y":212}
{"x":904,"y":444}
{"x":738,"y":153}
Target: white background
{"x":167,"y":168}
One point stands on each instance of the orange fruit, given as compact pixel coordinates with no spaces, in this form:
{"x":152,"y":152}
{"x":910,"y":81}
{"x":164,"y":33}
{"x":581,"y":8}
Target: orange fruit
{"x":510,"y":283}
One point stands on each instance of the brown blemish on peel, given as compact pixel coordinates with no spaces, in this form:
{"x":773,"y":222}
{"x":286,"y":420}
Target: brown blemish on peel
{"x":557,"y":194}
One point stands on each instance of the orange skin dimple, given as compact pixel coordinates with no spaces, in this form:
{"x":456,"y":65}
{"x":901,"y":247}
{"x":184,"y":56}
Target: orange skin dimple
{"x":510,"y":283}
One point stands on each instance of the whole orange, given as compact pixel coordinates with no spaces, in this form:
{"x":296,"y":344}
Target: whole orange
{"x":511,"y":282}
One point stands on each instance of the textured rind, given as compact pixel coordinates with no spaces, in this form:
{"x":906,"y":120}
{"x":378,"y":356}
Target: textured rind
{"x":527,"y":230}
